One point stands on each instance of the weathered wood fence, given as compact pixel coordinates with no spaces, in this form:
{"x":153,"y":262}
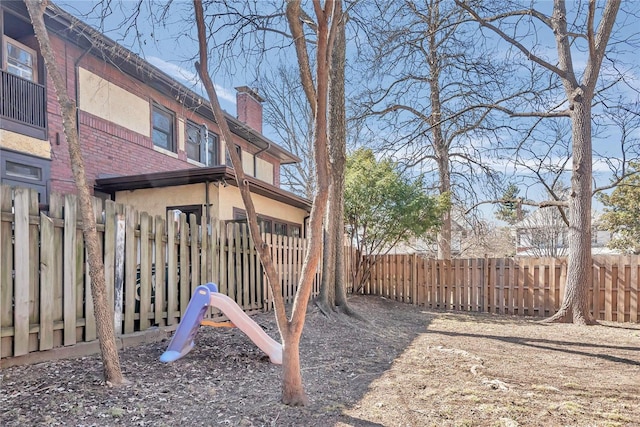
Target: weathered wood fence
{"x":515,"y":286}
{"x":155,"y":264}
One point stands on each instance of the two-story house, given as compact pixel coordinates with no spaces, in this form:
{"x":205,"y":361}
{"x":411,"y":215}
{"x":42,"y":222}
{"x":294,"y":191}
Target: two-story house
{"x":146,"y":139}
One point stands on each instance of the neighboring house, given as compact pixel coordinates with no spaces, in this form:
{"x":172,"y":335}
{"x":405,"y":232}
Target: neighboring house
{"x":543,"y":233}
{"x":470,"y":238}
{"x":147,"y":140}
{"x":427,"y":246}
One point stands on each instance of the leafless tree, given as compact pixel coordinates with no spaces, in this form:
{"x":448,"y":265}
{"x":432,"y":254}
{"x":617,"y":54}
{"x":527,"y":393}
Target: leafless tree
{"x":433,"y":82}
{"x":289,"y":115}
{"x":574,"y":35}
{"x":104,"y":315}
{"x":543,"y":233}
{"x":316,"y":88}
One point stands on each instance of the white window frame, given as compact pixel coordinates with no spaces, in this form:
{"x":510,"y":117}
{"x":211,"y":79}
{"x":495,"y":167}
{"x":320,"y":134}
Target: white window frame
{"x":5,"y":57}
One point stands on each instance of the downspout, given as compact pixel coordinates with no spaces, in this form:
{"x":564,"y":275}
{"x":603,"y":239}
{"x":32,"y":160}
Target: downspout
{"x":206,"y":201}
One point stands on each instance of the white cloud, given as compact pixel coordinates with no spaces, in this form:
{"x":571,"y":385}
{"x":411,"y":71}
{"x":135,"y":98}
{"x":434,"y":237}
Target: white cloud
{"x":190,"y":78}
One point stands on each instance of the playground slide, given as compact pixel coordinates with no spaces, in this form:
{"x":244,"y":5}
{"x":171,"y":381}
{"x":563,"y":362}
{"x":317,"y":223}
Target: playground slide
{"x":182,"y":341}
{"x":203,"y":297}
{"x":239,"y":318}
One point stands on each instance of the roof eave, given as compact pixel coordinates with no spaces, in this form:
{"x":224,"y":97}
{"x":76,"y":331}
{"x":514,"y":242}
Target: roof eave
{"x":180,"y":177}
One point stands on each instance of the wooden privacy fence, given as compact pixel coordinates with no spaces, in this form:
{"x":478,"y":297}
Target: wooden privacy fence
{"x":516,"y":286}
{"x":153,"y":264}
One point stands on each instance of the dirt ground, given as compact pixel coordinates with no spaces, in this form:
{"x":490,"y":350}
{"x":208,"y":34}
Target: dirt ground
{"x":407,"y":367}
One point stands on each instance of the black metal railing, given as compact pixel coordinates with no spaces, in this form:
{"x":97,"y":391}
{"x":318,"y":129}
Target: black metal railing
{"x":22,"y":101}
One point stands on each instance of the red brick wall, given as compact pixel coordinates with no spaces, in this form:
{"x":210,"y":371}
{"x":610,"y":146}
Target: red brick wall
{"x":249,"y":110}
{"x":109,"y":149}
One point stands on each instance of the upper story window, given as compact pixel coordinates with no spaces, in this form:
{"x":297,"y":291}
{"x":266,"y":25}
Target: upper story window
{"x":163,"y":134}
{"x":228,"y":157}
{"x":202,"y":146}
{"x":19,"y":60}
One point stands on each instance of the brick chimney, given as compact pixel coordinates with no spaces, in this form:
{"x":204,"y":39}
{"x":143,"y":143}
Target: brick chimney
{"x":249,"y":106}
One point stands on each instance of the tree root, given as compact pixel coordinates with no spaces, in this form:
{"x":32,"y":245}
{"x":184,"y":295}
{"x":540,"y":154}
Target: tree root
{"x":566,"y":316}
{"x":297,"y":400}
{"x":347,"y":310}
{"x":323,"y":307}
{"x":328,"y":311}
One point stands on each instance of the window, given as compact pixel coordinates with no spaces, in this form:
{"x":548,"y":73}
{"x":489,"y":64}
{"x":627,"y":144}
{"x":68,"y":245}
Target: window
{"x":188,"y":210}
{"x":20,"y":60}
{"x":280,"y":229}
{"x":205,"y":153}
{"x":162,"y":125}
{"x":21,"y":170}
{"x":228,"y":158}
{"x":270,"y":225}
{"x":295,"y":231}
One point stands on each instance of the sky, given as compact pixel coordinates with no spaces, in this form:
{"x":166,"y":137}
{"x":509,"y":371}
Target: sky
{"x":171,"y":47}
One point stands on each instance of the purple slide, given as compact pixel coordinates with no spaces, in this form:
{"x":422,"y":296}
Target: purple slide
{"x":182,"y":341}
{"x":203,"y":297}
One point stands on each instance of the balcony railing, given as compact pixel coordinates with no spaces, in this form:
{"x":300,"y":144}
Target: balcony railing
{"x":22,"y":106}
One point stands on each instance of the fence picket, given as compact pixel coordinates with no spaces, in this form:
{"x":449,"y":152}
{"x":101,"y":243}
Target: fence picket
{"x":608,"y":303}
{"x":513,"y":276}
{"x":633,"y":293}
{"x":183,"y":266}
{"x":160,"y":281}
{"x":34,"y":268}
{"x":120,"y":250}
{"x":596,"y":290}
{"x":194,"y":256}
{"x":246,"y":272}
{"x":109,"y":250}
{"x":130,"y":268}
{"x":622,"y":286}
{"x":69,"y":269}
{"x":552,"y":288}
{"x":22,"y":270}
{"x":6,"y":269}
{"x":145,"y":269}
{"x":47,"y":278}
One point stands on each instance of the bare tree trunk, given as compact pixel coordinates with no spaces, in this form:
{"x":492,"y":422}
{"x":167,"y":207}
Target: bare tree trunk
{"x":318,"y":100}
{"x":440,"y":146}
{"x":333,"y":292}
{"x":575,"y":307}
{"x":338,"y":154}
{"x":104,"y":315}
{"x":444,"y":235}
{"x":290,"y":330}
{"x":326,"y":299}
